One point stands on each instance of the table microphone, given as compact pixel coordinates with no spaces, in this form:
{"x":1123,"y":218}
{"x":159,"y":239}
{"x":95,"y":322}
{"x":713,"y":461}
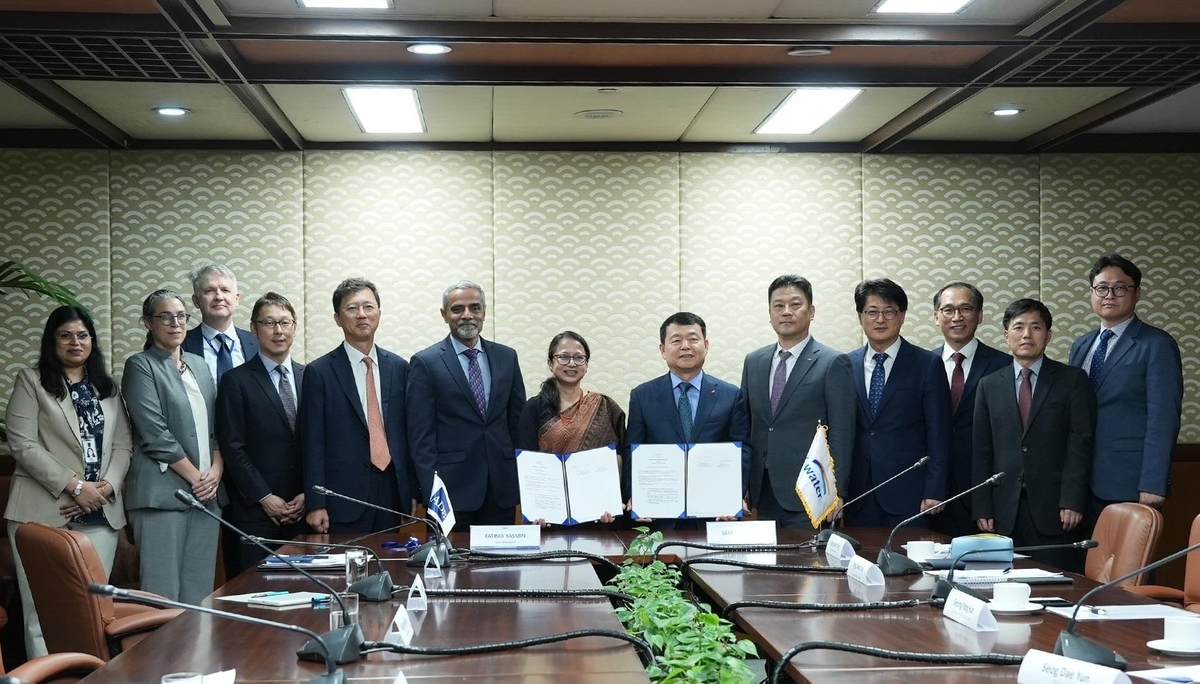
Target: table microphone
{"x":1073,"y":646}
{"x":344,"y":642}
{"x":823,"y":536}
{"x":892,"y":563}
{"x":942,"y":590}
{"x":332,"y":674}
{"x":377,"y":587}
{"x":440,"y":544}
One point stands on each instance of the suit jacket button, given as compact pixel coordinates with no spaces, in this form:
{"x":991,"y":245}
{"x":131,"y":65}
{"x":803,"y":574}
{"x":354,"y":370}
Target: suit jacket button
{"x":1024,"y":449}
{"x":872,"y":433}
{"x":770,"y":429}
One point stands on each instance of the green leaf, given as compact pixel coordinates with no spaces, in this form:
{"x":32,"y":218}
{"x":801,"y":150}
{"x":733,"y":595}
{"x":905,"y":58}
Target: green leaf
{"x":16,"y":276}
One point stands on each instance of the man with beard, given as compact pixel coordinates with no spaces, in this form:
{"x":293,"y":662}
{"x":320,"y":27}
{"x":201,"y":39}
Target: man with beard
{"x":465,"y":396}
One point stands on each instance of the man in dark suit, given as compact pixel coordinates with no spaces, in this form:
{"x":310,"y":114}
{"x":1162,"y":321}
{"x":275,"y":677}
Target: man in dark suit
{"x":656,"y":408}
{"x":787,"y":392}
{"x":223,"y":347}
{"x":256,"y":430}
{"x":1034,"y":422}
{"x":465,"y":400}
{"x":352,"y":422}
{"x":903,"y":412}
{"x":1136,"y":372}
{"x":958,"y":311}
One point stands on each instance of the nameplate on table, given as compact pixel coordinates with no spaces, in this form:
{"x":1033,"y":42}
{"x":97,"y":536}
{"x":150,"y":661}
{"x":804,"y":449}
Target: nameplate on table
{"x":401,"y":630}
{"x":416,"y":595}
{"x":969,"y":611}
{"x":1040,"y":667}
{"x":744,"y":533}
{"x":433,"y":565}
{"x":492,"y":537}
{"x":838,"y":549}
{"x":864,"y":571}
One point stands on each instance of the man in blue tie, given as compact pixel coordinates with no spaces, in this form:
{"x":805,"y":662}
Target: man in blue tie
{"x":1137,"y":374}
{"x":223,"y":346}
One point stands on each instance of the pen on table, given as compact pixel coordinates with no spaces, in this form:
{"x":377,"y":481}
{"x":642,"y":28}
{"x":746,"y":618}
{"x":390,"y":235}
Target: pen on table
{"x":269,"y":593}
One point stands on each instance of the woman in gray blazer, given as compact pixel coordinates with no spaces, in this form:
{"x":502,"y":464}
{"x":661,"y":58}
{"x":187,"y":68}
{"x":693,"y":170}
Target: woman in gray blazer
{"x":170,"y":396}
{"x":70,"y":438}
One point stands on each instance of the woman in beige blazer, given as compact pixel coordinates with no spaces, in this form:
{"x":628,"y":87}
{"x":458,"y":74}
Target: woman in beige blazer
{"x":70,"y":437}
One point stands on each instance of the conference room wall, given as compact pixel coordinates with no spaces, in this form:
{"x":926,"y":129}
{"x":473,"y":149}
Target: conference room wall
{"x":605,"y":243}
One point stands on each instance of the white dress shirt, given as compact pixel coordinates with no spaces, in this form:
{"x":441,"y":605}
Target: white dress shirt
{"x":360,"y":374}
{"x":211,"y":346}
{"x":967,"y":351}
{"x":796,"y":350}
{"x":869,"y":363}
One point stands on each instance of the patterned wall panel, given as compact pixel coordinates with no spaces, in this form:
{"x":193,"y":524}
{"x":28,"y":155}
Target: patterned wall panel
{"x":747,"y":219}
{"x":54,"y":219}
{"x":174,"y":210}
{"x":930,"y":220}
{"x":588,"y":242}
{"x":411,"y":222}
{"x":1146,"y":207}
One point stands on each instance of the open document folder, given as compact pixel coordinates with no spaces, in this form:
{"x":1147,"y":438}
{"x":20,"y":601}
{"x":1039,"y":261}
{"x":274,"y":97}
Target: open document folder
{"x":569,"y":488}
{"x":687,"y":481}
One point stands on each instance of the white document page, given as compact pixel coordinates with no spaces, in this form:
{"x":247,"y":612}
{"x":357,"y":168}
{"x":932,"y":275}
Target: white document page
{"x":714,"y":480}
{"x":543,"y":494}
{"x":1152,"y":611}
{"x":593,"y":484}
{"x":658,"y":484}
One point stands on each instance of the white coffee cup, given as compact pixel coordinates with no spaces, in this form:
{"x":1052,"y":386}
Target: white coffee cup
{"x":1010,"y":595}
{"x":920,"y":550}
{"x":1182,"y":632}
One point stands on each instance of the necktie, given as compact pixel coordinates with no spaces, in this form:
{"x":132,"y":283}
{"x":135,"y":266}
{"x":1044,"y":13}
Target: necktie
{"x":1098,"y":358}
{"x":877,"y":381}
{"x":780,"y":379}
{"x":224,"y":355}
{"x":685,"y":410}
{"x":1025,"y":395}
{"x":381,"y":456}
{"x":287,"y":395}
{"x":957,"y":380}
{"x":475,"y":380}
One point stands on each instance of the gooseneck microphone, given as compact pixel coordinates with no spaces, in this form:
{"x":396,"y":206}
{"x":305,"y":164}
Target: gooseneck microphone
{"x":377,"y":587}
{"x":943,"y":587}
{"x":892,"y":563}
{"x":332,"y":674}
{"x":342,"y":643}
{"x":1072,"y":645}
{"x":823,"y":536}
{"x":440,"y":544}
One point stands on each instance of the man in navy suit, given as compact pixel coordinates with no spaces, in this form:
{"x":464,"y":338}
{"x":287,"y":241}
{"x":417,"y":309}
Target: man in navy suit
{"x":256,"y":428}
{"x":465,"y":400}
{"x":1137,"y":374}
{"x":714,"y":407}
{"x":903,"y":412}
{"x":223,"y":347}
{"x":958,"y":311}
{"x":352,"y":422}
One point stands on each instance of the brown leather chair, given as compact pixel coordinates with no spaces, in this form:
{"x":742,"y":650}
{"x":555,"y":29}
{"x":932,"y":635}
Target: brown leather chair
{"x":56,"y":668}
{"x":60,"y":564}
{"x":1189,"y":598}
{"x":1127,"y":533}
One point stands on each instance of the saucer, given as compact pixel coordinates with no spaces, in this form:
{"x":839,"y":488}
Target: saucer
{"x":1027,"y":609}
{"x":1164,"y":646}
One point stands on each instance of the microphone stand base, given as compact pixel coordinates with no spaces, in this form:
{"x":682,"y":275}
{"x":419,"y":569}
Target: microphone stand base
{"x":377,"y":587}
{"x":335,"y":677}
{"x":894,"y":564}
{"x":822,"y":538}
{"x":1075,"y":647}
{"x":944,"y":587}
{"x":418,"y":556}
{"x":344,"y":644}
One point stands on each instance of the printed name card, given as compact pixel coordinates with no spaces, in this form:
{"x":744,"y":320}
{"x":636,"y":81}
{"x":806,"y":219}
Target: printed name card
{"x":433,"y":565}
{"x":749,"y":532}
{"x":1040,"y":667}
{"x":970,"y":611}
{"x":491,"y":537}
{"x":864,"y":571}
{"x":838,"y":549}
{"x":416,"y":595}
{"x":400,"y":631}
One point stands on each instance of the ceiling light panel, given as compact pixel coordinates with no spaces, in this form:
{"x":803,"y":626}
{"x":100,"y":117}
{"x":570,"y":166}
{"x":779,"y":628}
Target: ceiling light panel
{"x":921,"y":6}
{"x":346,"y":4}
{"x":386,"y":110}
{"x":806,"y":110}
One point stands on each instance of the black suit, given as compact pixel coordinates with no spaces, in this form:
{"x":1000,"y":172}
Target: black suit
{"x":261,"y":452}
{"x":957,"y":520}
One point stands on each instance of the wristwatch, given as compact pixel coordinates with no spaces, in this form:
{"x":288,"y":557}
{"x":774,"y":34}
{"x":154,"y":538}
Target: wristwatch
{"x":78,"y":488}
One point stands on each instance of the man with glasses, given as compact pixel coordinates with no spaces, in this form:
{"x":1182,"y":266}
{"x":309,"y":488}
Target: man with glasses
{"x":352,"y":422}
{"x":223,"y":346}
{"x":257,"y":433}
{"x":958,"y":311}
{"x":903,"y":412}
{"x":465,"y":397}
{"x":1136,"y":372}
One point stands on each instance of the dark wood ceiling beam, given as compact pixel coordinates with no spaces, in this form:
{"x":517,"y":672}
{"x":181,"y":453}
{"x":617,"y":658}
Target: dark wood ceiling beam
{"x":1188,"y":34}
{"x":56,"y":100}
{"x":83,"y":23}
{"x":1113,"y":108}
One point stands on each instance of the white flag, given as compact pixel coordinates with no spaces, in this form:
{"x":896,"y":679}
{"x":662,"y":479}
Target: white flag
{"x":439,"y":505}
{"x":817,"y":485}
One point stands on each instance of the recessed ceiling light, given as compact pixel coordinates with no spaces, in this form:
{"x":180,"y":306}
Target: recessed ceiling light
{"x":809,"y":52}
{"x":346,"y":4}
{"x":921,"y":6}
{"x":608,"y":91}
{"x":599,"y":113}
{"x":386,"y":110}
{"x":806,"y":110}
{"x":1007,"y":111}
{"x":428,"y":49}
{"x":172,"y":111}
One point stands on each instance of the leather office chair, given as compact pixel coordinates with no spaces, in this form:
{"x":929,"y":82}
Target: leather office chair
{"x":1127,"y":533}
{"x":1189,"y":598}
{"x":56,"y":668}
{"x":59,"y":565}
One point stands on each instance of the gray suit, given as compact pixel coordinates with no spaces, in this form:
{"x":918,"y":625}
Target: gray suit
{"x":177,"y":545}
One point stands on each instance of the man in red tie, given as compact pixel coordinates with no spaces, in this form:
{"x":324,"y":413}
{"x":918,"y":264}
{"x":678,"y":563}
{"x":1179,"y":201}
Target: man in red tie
{"x":1035,"y":423}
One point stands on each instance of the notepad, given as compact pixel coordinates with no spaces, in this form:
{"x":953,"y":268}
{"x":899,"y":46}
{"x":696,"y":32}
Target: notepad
{"x":297,"y":598}
{"x":320,"y":562}
{"x":989,"y":577}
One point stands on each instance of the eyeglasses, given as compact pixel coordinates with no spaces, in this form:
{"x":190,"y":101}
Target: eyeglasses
{"x":168,"y":319}
{"x":353,"y":309}
{"x":964,"y":310}
{"x":1118,"y":291}
{"x":66,"y":336}
{"x":567,"y":359}
{"x":888,"y":314}
{"x":272,"y":323}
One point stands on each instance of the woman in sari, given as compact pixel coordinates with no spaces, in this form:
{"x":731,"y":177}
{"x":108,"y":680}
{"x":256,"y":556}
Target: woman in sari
{"x":564,"y":418}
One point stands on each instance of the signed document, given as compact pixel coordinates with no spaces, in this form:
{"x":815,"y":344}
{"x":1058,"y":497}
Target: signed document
{"x":659,"y":488}
{"x":682,"y":481}
{"x":714,"y":480}
{"x":568,"y":489}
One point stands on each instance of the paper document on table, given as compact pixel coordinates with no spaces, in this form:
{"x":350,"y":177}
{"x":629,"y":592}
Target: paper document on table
{"x":593,"y":484}
{"x":714,"y":480}
{"x":224,"y":677}
{"x":543,"y":494}
{"x":658,"y":481}
{"x":1169,"y":674}
{"x":995,"y":576}
{"x":324,"y":561}
{"x":1149,"y":611}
